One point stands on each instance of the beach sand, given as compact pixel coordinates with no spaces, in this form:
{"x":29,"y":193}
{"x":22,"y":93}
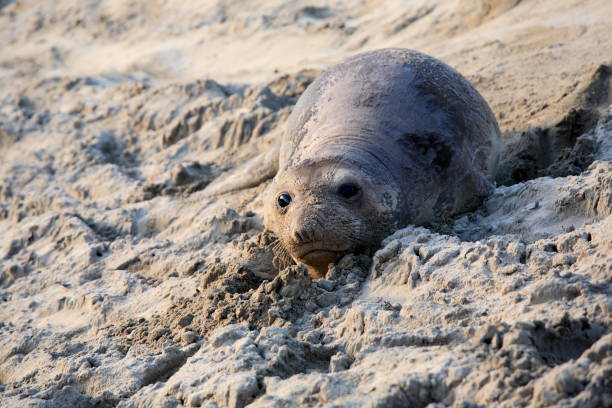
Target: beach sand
{"x":120,"y":285}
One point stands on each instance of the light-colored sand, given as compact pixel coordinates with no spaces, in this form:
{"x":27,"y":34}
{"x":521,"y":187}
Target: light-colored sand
{"x":119,"y":286}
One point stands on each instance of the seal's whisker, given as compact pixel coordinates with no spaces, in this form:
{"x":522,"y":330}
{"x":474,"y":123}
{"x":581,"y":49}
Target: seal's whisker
{"x":281,"y":257}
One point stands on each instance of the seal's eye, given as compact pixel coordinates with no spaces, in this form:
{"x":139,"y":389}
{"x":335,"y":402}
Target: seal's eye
{"x":284,"y":200}
{"x":348,"y":190}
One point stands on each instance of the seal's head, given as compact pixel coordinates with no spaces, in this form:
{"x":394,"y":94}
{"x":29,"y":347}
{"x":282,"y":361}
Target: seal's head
{"x":321,"y":210}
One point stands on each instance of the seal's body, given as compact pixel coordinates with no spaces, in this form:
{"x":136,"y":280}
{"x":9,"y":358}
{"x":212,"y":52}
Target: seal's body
{"x":384,"y":139}
{"x":387,"y":138}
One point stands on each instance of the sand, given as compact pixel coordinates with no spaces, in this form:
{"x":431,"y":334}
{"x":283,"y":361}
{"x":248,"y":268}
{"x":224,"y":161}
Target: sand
{"x":120,"y":285}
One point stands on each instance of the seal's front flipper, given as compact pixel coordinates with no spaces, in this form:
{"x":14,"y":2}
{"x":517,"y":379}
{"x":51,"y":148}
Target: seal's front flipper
{"x":250,"y":174}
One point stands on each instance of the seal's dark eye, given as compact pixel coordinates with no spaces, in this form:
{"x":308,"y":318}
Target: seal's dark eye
{"x":284,"y":200}
{"x":348,"y":190}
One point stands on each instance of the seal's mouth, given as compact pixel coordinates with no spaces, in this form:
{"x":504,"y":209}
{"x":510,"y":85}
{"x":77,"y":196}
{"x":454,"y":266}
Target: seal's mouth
{"x":319,"y":253}
{"x":318,"y":257}
{"x":315,"y":258}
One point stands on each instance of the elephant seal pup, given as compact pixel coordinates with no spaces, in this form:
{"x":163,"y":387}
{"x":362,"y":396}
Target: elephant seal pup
{"x":387,"y":138}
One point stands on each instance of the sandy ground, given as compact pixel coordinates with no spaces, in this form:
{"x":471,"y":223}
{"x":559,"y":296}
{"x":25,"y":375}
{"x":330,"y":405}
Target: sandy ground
{"x":120,"y":285}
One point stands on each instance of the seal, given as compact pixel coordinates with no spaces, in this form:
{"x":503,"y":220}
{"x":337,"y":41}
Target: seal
{"x":387,"y":138}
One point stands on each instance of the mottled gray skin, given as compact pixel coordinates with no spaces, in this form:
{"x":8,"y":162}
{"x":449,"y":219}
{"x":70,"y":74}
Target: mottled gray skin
{"x":413,"y":134}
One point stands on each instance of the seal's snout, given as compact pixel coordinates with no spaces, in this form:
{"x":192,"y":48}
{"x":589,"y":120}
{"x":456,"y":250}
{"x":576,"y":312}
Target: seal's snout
{"x":301,"y":236}
{"x":304,"y":233}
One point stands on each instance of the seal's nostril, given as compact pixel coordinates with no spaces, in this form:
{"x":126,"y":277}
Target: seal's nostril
{"x":303,"y":235}
{"x":298,"y":236}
